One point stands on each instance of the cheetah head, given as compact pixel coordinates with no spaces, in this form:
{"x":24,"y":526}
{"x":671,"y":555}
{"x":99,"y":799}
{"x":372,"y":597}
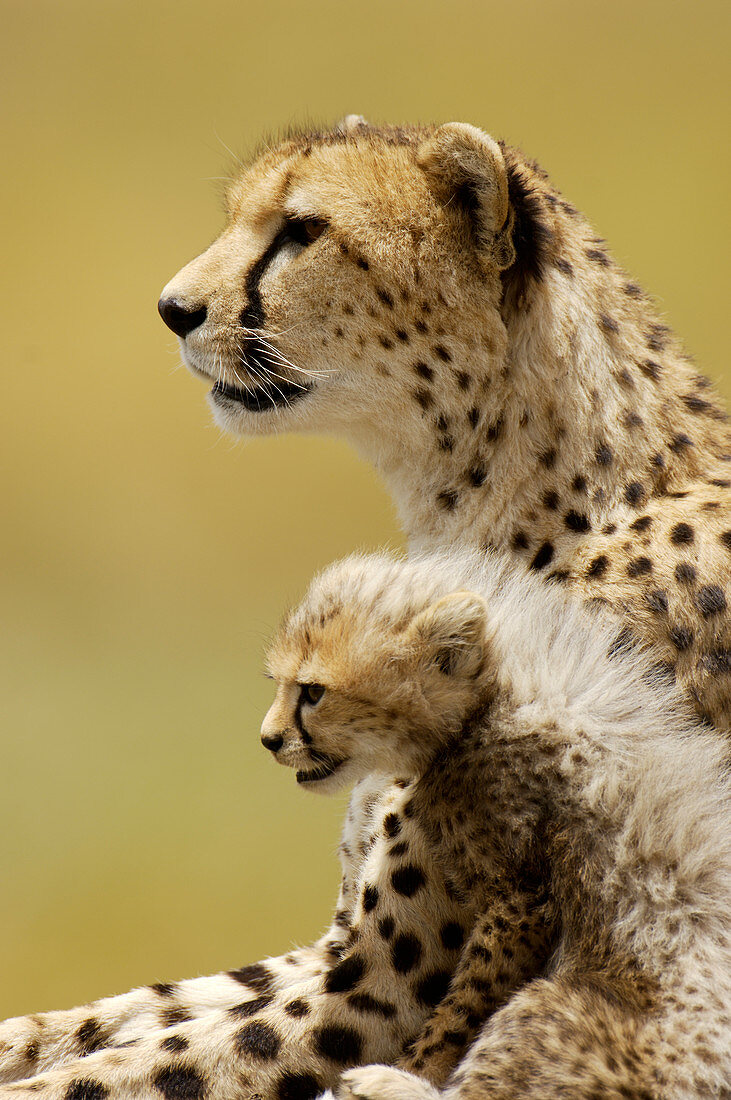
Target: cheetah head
{"x":376,"y":670}
{"x":348,"y":260}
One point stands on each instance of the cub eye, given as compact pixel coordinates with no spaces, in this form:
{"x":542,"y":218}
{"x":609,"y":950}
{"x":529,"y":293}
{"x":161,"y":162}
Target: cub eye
{"x":312,"y":693}
{"x":304,"y":231}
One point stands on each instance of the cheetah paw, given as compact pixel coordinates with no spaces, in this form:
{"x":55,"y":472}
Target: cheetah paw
{"x":383,"y":1083}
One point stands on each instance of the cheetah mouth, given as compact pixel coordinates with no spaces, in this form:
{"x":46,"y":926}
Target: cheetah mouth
{"x":325,"y":766}
{"x":260,"y":397}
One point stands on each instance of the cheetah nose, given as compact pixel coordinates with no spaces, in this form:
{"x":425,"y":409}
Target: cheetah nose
{"x":272,"y":741}
{"x":181,"y":319}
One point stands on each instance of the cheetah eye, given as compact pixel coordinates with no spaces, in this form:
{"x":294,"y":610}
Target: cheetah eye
{"x":304,"y":231}
{"x":312,"y":693}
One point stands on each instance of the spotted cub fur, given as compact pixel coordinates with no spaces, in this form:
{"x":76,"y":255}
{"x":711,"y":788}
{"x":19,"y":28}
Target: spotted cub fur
{"x":428,"y":293}
{"x":574,"y":805}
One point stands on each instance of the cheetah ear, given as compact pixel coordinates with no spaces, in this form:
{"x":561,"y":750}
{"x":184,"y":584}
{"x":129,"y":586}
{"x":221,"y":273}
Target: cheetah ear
{"x":465,"y":167}
{"x":351,"y":123}
{"x":451,"y":634}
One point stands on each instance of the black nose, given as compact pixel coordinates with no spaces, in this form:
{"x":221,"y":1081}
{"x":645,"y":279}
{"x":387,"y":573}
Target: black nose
{"x":181,"y":319}
{"x":272,"y":741}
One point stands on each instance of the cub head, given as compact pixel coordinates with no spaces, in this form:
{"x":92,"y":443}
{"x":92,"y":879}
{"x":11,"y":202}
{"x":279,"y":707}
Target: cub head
{"x":376,"y":670}
{"x":351,"y":263}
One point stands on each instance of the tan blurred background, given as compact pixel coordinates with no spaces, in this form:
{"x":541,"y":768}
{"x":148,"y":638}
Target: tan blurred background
{"x":145,"y":833}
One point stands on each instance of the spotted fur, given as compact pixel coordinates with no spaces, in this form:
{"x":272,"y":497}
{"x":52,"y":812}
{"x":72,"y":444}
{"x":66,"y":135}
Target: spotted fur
{"x":579,"y":812}
{"x":460,"y":322}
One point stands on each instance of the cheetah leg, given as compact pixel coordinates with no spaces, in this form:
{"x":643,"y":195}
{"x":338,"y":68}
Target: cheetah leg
{"x":31,"y":1044}
{"x":268,"y":1046}
{"x":507,"y":947}
{"x":559,"y":1039}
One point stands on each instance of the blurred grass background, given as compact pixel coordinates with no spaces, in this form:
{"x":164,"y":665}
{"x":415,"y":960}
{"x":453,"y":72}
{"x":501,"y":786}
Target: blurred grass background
{"x":145,"y":833}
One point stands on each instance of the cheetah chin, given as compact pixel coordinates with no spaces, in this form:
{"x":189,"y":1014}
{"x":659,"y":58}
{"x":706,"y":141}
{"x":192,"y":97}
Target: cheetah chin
{"x":325,"y":767}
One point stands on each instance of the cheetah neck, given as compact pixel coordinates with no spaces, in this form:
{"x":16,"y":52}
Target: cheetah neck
{"x":591,"y":410}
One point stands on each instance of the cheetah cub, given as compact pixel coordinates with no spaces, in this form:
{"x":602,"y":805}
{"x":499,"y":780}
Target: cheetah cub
{"x":545,"y":759}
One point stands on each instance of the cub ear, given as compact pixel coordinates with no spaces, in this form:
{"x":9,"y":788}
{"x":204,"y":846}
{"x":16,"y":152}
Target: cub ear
{"x":465,"y":166}
{"x":350,"y":123}
{"x":451,"y":634}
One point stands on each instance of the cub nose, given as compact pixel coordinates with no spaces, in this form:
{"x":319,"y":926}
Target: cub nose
{"x":181,"y":319}
{"x":272,"y":741}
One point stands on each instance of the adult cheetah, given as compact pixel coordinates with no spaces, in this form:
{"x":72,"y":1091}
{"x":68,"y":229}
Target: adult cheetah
{"x":427,"y":293}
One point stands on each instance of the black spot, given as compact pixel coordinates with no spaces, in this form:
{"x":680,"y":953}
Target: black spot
{"x":598,"y":257}
{"x":652,"y":369}
{"x":250,"y":1008}
{"x":657,"y":601}
{"x":448,"y":499}
{"x":725,"y":538}
{"x":386,"y":927}
{"x":575,"y":521}
{"x":408,"y":808}
{"x":175,"y":1044}
{"x":405,"y":952}
{"x":256,"y":975}
{"x":164,"y":989}
{"x":392,"y":825}
{"x":634,"y":493}
{"x":86,"y":1090}
{"x":717,"y":661}
{"x":608,"y":323}
{"x":362,"y":263}
{"x":180,"y":1083}
{"x":297,"y":1008}
{"x":423,"y":398}
{"x":579,"y":484}
{"x":603,"y":455}
{"x":679,"y":442}
{"x":298,"y":1086}
{"x":543,"y":556}
{"x":685,"y":573}
{"x":520,"y":541}
{"x":31,"y":1052}
{"x":474,"y":417}
{"x":407,"y":880}
{"x":424,"y":371}
{"x":657,"y":337}
{"x":339,"y":1044}
{"x":464,"y":380}
{"x":720,"y":482}
{"x":639,"y":567}
{"x":476,"y":476}
{"x":402,"y":335}
{"x":364,"y":1002}
{"x":433,"y":988}
{"x":710,"y":600}
{"x":563,"y":266}
{"x":370,"y":897}
{"x":172,"y":1016}
{"x":452,"y":935}
{"x":641,"y":524}
{"x":385,"y":297}
{"x":494,"y":430}
{"x":422,"y":327}
{"x":550,"y":500}
{"x":633,"y":420}
{"x":681,"y":637}
{"x":91,"y":1036}
{"x":548,"y":458}
{"x":632,"y":290}
{"x":258,"y":1040}
{"x":345,"y":975}
{"x":399,"y":849}
{"x":385,"y":342}
{"x":446,"y":443}
{"x":598,"y":567}
{"x":681,"y":534}
{"x":442,"y":353}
